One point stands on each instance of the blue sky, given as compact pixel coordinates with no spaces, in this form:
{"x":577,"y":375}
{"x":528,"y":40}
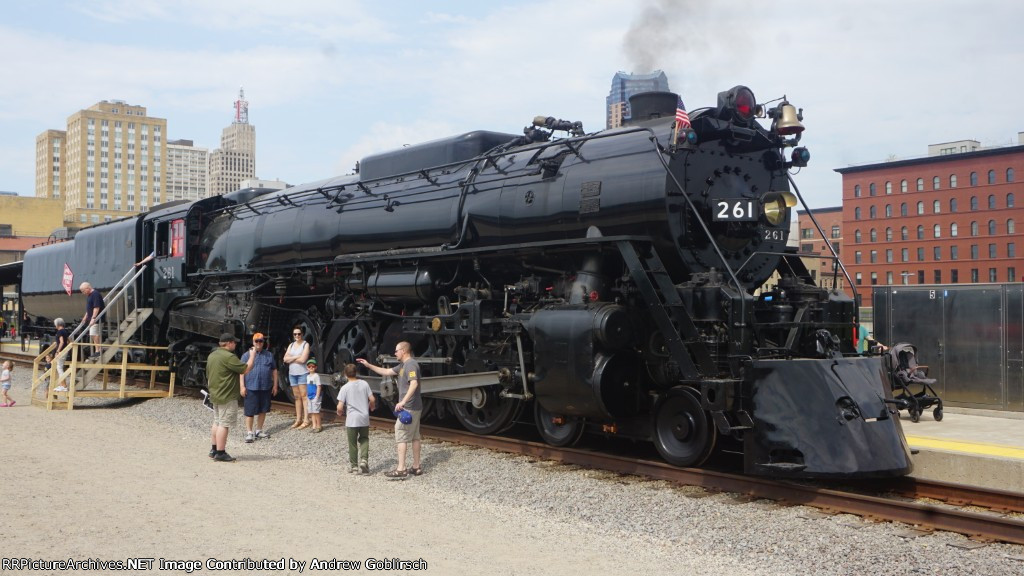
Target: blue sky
{"x":329,"y":81}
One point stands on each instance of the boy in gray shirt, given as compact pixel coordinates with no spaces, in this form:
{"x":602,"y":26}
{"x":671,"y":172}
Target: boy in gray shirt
{"x":356,"y":395}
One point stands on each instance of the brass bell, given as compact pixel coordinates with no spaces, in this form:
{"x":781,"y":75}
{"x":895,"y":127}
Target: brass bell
{"x":788,"y":122}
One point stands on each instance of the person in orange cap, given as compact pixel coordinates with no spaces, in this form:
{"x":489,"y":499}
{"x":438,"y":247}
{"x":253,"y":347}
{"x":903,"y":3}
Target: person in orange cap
{"x":258,"y":387}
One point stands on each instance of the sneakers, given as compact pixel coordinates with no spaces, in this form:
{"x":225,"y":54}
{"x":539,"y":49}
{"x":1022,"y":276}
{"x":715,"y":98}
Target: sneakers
{"x":352,"y":469}
{"x":61,"y":389}
{"x":249,"y":437}
{"x":261,"y":435}
{"x":396,"y":474}
{"x":223,"y":457}
{"x":364,"y":469}
{"x":213,"y":452}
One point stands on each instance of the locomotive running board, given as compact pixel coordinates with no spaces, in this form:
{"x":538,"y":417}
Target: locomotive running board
{"x":457,"y":387}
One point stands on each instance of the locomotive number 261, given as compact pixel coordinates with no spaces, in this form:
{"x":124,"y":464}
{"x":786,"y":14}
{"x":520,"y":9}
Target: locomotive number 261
{"x":735,"y":210}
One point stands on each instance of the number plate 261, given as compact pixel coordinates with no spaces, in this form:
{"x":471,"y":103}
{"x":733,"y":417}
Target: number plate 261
{"x":733,"y":210}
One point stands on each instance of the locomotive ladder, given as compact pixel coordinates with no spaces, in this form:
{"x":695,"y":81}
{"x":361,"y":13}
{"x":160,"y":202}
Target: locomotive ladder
{"x":120,"y":308}
{"x":668,"y":311}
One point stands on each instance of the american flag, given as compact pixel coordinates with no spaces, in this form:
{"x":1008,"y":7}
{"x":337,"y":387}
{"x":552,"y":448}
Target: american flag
{"x":682,"y":118}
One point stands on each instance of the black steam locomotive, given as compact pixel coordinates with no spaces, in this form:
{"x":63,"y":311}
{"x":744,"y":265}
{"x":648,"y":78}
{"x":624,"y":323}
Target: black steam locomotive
{"x":607,"y":283}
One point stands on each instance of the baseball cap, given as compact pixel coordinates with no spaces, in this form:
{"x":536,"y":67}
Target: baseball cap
{"x":311,"y":361}
{"x":258,"y":336}
{"x":404,"y":416}
{"x":228,"y":337}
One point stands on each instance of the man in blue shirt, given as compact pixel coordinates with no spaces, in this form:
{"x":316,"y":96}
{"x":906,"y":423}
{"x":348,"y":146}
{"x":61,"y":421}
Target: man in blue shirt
{"x":258,"y":387}
{"x":93,"y":306}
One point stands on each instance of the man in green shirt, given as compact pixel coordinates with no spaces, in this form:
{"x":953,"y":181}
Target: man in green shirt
{"x":223,"y":369}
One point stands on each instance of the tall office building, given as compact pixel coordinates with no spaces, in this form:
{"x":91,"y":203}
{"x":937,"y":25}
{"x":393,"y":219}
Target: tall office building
{"x":187,"y":171}
{"x":49,"y":169}
{"x":235,"y":160}
{"x":625,"y":85}
{"x":110,"y":166}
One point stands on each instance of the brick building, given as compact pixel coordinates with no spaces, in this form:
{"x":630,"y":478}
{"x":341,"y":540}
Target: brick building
{"x":947,"y":218}
{"x":831,"y":222}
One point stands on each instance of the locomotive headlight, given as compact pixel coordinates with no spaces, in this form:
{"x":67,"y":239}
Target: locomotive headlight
{"x":774,"y":205}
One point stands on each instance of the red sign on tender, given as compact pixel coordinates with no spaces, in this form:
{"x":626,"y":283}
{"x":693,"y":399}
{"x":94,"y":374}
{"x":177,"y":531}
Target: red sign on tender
{"x":69,"y":279}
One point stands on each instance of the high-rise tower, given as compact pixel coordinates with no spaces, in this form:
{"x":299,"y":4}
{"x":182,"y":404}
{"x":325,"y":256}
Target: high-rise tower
{"x":235,"y":160}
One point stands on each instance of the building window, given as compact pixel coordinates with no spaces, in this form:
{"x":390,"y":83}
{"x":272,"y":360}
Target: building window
{"x":920,"y":208}
{"x":1011,"y":228}
{"x":936,"y":184}
{"x":905,"y":255}
{"x":856,"y":257}
{"x":1011,"y":250}
{"x":888,"y":234}
{"x":858,"y":278}
{"x":874,"y":278}
{"x":937,"y":231}
{"x":974,"y":251}
{"x":1009,"y":178}
{"x":873,"y":256}
{"x":888,"y":210}
{"x":1011,"y":274}
{"x":888,"y":278}
{"x":904,"y":235}
{"x":974,"y":203}
{"x":937,"y":207}
{"x":903,"y":209}
{"x":806,"y":233}
{"x":856,"y":236}
{"x":991,"y":227}
{"x":872,"y":190}
{"x":992,"y":251}
{"x":888,"y":255}
{"x":954,"y":276}
{"x":974,"y":228}
{"x":856,"y":191}
{"x":920,"y":184}
{"x":992,"y":275}
{"x":888,"y":187}
{"x":938,"y":276}
{"x":856,"y":213}
{"x":974,"y":178}
{"x":807,"y":248}
{"x":920,"y":232}
{"x":6,"y":230}
{"x":952,"y":180}
{"x":903,"y":186}
{"x":1009,"y":200}
{"x":952,"y":204}
{"x":920,"y":276}
{"x":937,"y":253}
{"x":872,"y":212}
{"x":974,"y":275}
{"x":836,"y":233}
{"x":874,"y":235}
{"x":954,"y":253}
{"x":991,"y":201}
{"x":991,"y":176}
{"x":953,"y":230}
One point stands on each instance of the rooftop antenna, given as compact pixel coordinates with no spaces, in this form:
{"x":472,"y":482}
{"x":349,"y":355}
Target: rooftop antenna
{"x":241,"y":108}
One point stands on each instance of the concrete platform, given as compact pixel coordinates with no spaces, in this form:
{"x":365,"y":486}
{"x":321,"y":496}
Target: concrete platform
{"x":976,"y":447}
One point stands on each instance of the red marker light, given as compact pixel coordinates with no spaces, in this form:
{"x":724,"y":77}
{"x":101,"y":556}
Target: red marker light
{"x":745,"y":104}
{"x":594,"y":295}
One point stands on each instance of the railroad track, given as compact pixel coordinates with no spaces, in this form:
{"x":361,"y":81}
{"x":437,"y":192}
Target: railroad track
{"x":895,"y":500}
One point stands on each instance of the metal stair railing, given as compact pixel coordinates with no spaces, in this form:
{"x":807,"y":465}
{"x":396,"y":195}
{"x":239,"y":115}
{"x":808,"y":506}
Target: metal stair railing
{"x":121,"y":301}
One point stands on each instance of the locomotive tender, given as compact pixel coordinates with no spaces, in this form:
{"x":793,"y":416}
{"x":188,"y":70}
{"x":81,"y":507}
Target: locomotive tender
{"x":603,"y":283}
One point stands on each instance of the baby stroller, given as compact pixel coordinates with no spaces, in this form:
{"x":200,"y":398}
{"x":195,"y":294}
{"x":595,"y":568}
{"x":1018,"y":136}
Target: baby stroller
{"x":907,"y":375}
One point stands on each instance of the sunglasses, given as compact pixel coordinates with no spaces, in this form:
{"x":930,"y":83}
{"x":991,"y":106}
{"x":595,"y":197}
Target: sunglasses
{"x":259,"y":340}
{"x":296,"y":333}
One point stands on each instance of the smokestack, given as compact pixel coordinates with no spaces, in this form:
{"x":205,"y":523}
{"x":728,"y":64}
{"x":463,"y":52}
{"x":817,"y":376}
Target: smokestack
{"x":652,"y":106}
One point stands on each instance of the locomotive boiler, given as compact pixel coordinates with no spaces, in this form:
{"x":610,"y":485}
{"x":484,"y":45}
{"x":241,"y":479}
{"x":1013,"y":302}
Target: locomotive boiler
{"x":611,"y":283}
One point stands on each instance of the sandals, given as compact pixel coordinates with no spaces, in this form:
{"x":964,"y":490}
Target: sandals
{"x":416,"y":471}
{"x":396,"y":474}
{"x":304,"y":425}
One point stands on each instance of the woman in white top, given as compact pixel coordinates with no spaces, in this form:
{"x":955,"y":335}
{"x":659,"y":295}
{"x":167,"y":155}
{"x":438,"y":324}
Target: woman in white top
{"x":295,"y":357}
